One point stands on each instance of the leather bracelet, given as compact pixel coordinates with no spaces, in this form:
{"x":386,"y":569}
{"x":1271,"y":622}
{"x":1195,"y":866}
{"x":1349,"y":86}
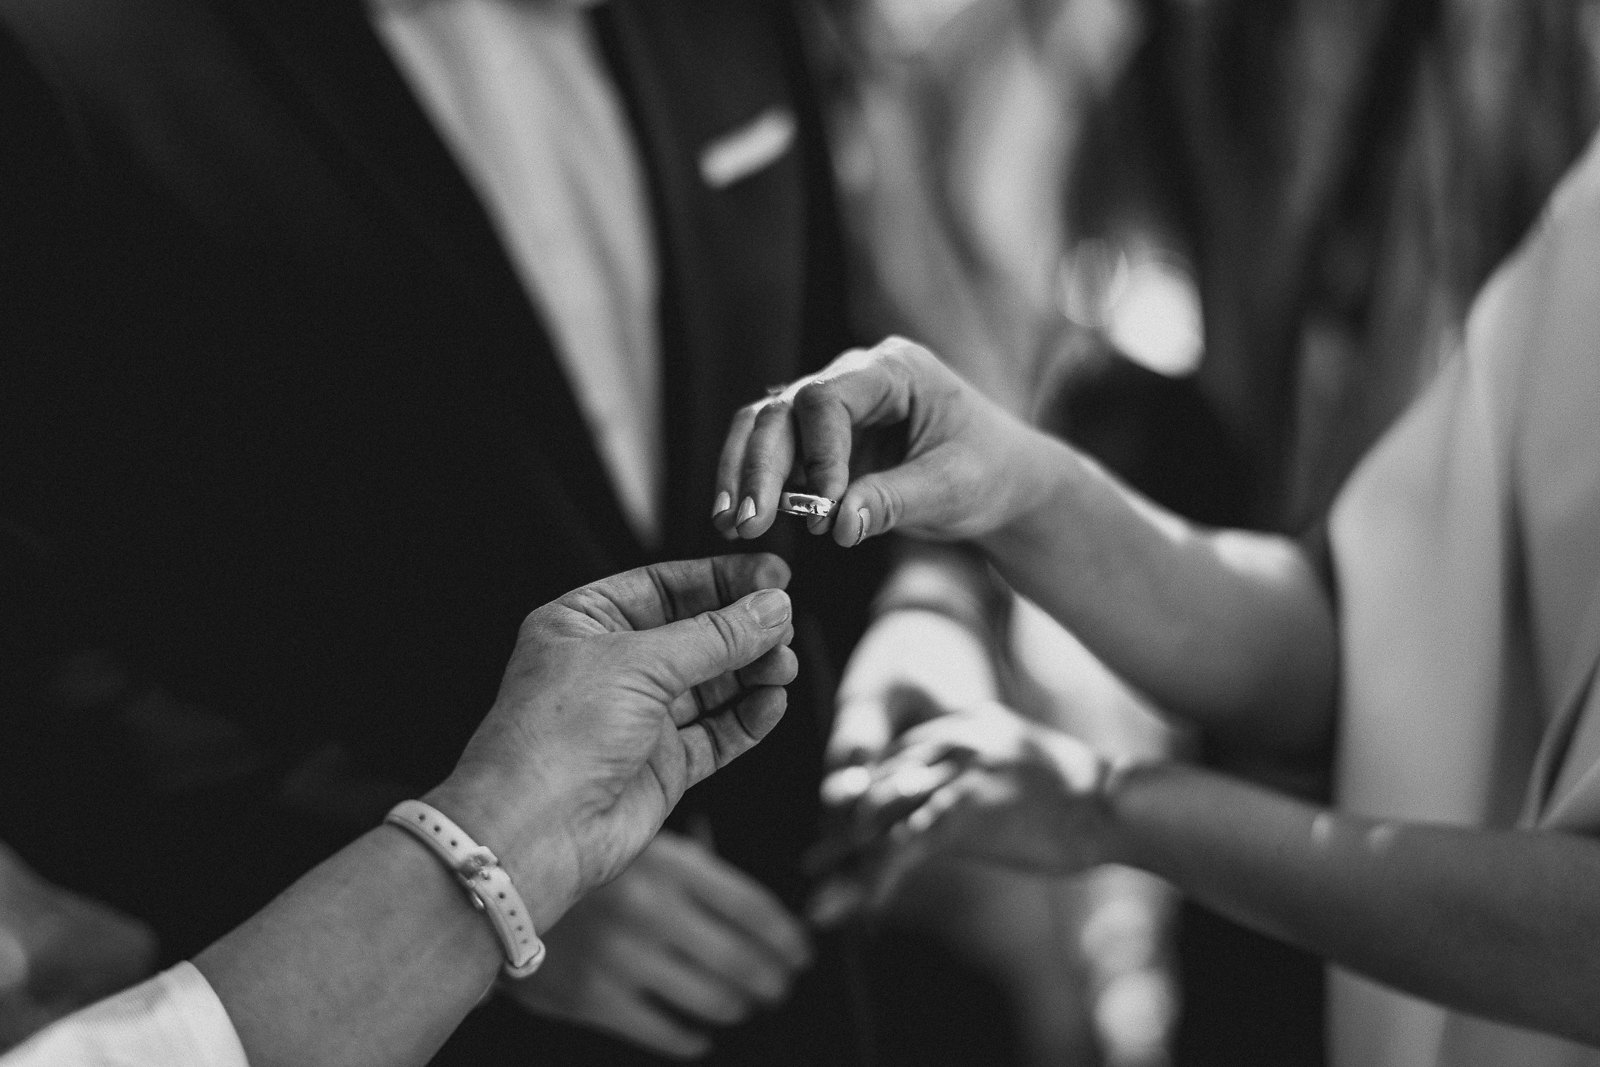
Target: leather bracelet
{"x":488,"y":885}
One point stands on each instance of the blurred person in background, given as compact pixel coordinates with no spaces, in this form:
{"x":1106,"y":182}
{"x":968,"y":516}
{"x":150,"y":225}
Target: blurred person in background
{"x":335,"y":335}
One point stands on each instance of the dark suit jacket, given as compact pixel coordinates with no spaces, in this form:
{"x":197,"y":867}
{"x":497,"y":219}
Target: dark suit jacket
{"x":280,"y":427}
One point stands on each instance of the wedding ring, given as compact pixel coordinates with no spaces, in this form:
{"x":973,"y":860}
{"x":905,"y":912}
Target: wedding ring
{"x":806,"y":504}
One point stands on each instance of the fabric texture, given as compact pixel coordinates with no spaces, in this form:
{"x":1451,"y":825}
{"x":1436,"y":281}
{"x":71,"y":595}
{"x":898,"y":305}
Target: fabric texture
{"x":291,"y":440}
{"x":1467,"y":551}
{"x":522,"y":98}
{"x":171,"y":1020}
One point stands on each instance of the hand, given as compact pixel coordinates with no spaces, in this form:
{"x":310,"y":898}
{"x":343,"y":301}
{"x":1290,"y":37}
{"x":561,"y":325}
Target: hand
{"x":986,"y":784}
{"x":681,"y":941}
{"x":892,"y":434}
{"x":911,"y":666}
{"x":618,"y":697}
{"x":60,"y":951}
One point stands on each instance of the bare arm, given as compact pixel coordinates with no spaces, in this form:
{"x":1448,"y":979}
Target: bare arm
{"x":1500,"y":923}
{"x":1504,"y":924}
{"x":1228,"y":628}
{"x":618,"y":698}
{"x":372,"y":958}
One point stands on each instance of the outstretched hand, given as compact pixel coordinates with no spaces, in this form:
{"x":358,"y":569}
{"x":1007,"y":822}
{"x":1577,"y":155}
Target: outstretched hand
{"x":620,"y":696}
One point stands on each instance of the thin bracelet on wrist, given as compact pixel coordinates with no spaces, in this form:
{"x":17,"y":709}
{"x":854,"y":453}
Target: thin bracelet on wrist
{"x":487,"y":883}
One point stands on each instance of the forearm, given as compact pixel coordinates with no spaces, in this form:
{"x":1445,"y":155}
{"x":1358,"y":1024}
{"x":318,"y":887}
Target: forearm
{"x":1228,"y":628}
{"x":1499,"y":923}
{"x":951,"y":579}
{"x":375,"y":956}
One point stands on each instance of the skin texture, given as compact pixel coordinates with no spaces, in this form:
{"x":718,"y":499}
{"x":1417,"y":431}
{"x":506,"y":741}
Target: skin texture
{"x":1227,"y":629}
{"x":618,"y":697}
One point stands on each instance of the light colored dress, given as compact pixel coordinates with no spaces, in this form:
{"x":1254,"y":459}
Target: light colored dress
{"x":1467,"y":554}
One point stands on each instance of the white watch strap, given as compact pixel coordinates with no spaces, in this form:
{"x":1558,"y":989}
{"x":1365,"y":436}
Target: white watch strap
{"x":486,"y":882}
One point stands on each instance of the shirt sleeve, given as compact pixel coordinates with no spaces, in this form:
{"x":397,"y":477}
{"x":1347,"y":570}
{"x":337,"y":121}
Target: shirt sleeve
{"x":172,"y":1020}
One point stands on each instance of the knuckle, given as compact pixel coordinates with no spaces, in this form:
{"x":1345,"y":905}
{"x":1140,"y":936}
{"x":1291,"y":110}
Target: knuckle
{"x":815,"y":395}
{"x":722,"y":630}
{"x":772,"y":411}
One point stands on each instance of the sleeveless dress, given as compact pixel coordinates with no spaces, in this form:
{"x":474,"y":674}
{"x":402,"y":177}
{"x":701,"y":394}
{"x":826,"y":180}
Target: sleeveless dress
{"x":1467,"y":558}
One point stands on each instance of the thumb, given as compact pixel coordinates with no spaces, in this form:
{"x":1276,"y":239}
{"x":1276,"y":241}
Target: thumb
{"x":706,"y":646}
{"x":911,"y":494}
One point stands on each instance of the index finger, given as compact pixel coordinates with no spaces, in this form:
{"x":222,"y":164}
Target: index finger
{"x":862,"y":388}
{"x":647,"y":597}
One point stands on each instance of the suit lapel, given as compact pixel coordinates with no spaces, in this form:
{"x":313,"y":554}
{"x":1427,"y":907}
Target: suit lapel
{"x":733,"y":258}
{"x":376,"y":138}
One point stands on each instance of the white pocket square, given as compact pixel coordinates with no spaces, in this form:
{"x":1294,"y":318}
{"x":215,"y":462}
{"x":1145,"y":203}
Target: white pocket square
{"x":748,"y":149}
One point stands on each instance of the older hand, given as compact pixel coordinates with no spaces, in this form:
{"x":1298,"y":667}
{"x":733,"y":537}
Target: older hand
{"x":680,"y":943}
{"x":618,"y":697}
{"x":899,"y":439}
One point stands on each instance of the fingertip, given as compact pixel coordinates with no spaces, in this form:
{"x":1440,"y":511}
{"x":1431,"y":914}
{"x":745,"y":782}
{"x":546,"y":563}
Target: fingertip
{"x":853,"y":523}
{"x":771,"y":571}
{"x":846,"y":786}
{"x":834,"y":903}
{"x":771,"y":608}
{"x":790,"y":669}
{"x":689,"y":1049}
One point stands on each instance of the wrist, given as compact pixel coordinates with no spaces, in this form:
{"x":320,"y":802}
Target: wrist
{"x":1040,"y":487}
{"x":526,"y":836}
{"x":1120,"y":791}
{"x":952,"y":580}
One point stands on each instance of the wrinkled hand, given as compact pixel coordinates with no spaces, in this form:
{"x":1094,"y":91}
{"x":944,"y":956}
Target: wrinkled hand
{"x":680,"y":943}
{"x":60,"y":951}
{"x":986,"y":784}
{"x":891,"y":433}
{"x":619,"y":696}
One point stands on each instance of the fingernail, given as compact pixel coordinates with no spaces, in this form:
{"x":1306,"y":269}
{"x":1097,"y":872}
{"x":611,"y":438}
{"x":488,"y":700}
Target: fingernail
{"x":864,"y":517}
{"x":747,"y":511}
{"x":723,"y":503}
{"x":771,"y":608}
